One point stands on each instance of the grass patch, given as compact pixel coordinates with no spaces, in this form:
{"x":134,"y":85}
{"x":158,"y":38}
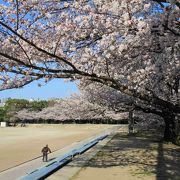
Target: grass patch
{"x":142,"y":173}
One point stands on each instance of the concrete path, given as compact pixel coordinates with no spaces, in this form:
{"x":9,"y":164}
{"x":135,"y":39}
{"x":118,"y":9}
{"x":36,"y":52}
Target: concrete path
{"x":23,"y":169}
{"x":27,"y":167}
{"x":72,"y":168}
{"x":68,"y":171}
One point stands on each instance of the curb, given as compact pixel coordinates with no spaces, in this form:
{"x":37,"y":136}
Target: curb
{"x":72,"y":169}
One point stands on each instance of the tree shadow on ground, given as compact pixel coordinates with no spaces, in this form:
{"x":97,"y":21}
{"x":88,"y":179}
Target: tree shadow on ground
{"x":168,"y":162}
{"x":148,"y":155}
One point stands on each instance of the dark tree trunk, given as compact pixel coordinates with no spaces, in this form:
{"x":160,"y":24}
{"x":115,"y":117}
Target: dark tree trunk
{"x":169,"y":132}
{"x":131,"y":122}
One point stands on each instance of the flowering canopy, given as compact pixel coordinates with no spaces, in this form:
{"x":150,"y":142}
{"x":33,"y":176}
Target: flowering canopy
{"x":129,"y":45}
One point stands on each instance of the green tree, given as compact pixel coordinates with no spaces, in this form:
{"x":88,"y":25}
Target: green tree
{"x":37,"y":105}
{"x":12,"y":106}
{"x":2,"y":114}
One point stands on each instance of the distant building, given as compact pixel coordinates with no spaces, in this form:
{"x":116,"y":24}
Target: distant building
{"x":4,"y":124}
{"x":32,"y":99}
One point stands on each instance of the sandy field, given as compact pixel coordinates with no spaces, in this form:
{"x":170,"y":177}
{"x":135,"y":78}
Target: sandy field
{"x":20,"y":144}
{"x":133,"y":158}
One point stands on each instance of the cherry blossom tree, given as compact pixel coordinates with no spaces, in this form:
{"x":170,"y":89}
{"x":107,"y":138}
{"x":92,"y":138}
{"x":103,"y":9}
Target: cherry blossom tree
{"x":120,"y":104}
{"x":130,"y":46}
{"x":74,"y":108}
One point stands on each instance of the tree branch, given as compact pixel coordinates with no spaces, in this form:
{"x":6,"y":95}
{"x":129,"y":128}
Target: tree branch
{"x":38,"y":48}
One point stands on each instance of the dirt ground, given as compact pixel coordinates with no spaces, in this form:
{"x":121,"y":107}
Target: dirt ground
{"x":133,"y":158}
{"x":20,"y":144}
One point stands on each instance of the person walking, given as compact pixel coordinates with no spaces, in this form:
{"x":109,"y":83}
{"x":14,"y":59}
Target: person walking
{"x":45,"y":151}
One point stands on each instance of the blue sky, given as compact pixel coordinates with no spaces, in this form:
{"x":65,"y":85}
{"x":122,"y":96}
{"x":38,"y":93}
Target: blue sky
{"x":56,"y":88}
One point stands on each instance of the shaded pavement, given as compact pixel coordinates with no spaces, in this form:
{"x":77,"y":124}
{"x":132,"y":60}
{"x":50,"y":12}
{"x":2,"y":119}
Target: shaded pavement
{"x":133,"y":157}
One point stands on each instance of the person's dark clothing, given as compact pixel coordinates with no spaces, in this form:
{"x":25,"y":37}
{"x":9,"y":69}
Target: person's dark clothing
{"x":45,"y":151}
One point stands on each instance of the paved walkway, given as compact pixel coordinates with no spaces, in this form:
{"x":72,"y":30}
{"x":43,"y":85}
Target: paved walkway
{"x":71,"y":169}
{"x":78,"y":162}
{"x":25,"y":168}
